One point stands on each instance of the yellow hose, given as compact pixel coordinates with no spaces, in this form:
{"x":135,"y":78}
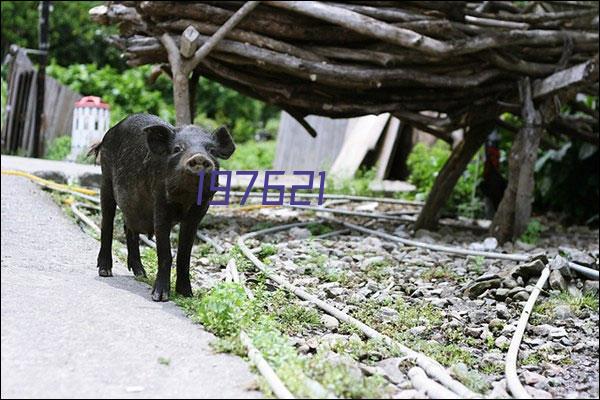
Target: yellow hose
{"x":50,"y":184}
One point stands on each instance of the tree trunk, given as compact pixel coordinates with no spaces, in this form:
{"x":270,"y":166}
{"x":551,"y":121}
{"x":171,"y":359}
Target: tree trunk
{"x":181,"y":98}
{"x":193,"y":87}
{"x":449,"y":175}
{"x":514,"y":211}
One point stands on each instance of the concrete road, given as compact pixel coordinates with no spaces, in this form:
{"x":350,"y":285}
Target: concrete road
{"x":66,"y":332}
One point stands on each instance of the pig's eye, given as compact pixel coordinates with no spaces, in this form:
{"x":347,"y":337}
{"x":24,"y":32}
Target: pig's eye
{"x":177,"y":149}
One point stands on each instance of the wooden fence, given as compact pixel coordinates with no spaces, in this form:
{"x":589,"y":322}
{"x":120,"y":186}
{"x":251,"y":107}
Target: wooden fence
{"x":18,"y":126}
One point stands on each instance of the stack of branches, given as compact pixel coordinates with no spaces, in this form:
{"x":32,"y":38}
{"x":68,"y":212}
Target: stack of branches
{"x":438,"y":66}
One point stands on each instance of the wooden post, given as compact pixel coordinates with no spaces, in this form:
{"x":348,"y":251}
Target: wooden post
{"x":44,"y":10}
{"x":182,"y":66}
{"x":514,"y":211}
{"x":450,"y":173}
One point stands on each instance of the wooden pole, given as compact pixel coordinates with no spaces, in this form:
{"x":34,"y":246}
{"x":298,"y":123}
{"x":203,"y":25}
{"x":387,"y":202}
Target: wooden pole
{"x":44,"y":11}
{"x":514,"y":210}
{"x":449,"y":175}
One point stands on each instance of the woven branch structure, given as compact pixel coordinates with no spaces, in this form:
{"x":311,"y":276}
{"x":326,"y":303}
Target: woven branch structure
{"x":438,"y":66}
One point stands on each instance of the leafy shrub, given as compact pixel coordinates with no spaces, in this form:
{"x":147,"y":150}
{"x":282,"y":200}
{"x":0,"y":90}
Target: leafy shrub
{"x":58,"y":148}
{"x":251,"y":155}
{"x":356,"y":186}
{"x":127,"y":92}
{"x":532,"y":232}
{"x":425,"y":163}
{"x":225,"y":309}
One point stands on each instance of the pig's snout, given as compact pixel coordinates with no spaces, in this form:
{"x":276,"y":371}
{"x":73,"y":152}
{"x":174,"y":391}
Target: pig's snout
{"x":198,"y":162}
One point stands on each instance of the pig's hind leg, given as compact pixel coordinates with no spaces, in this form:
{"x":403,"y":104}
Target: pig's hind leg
{"x":108,"y":206}
{"x":134,"y":262}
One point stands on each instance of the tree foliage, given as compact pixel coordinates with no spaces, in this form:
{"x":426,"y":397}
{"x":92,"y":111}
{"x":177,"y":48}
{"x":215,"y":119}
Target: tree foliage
{"x":74,"y":38}
{"x":129,"y":92}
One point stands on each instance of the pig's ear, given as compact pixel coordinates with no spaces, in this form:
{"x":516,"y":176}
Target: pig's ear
{"x":159,"y":138}
{"x":225,"y":145}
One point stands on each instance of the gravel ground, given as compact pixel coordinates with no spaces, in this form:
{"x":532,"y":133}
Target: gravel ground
{"x":460,"y":311}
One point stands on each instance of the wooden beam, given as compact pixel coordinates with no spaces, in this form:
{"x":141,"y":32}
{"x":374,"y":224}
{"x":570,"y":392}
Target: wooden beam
{"x":578,"y":75}
{"x":220,"y":34}
{"x":188,"y":44}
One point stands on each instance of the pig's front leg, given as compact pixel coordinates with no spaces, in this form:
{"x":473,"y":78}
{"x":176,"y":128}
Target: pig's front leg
{"x":162,"y":284}
{"x":187,"y":234}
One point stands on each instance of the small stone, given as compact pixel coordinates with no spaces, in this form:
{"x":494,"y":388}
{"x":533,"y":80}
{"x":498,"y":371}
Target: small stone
{"x":577,"y":256}
{"x":476,"y":288}
{"x":499,"y":390}
{"x":56,"y":176}
{"x":502,"y":342}
{"x":473,"y":332}
{"x":496,"y":325}
{"x":490,"y":243}
{"x":487,"y":277}
{"x":528,"y":270}
{"x":303,"y":349}
{"x":573,"y":290}
{"x":368,"y":206}
{"x":537,"y":393}
{"x":557,"y":280}
{"x":509,"y":283}
{"x":333,"y":292}
{"x":501,"y":293}
{"x":329,"y":322}
{"x":561,"y":264}
{"x":417,"y":330}
{"x":534,"y":379}
{"x":502,"y":311}
{"x":297,"y":233}
{"x":541,"y":330}
{"x":90,"y":179}
{"x":557,"y":333}
{"x":591,"y":287}
{"x":521,"y":296}
{"x":388,"y":314}
{"x":478,"y":316}
{"x":391,"y":370}
{"x":524,"y":246}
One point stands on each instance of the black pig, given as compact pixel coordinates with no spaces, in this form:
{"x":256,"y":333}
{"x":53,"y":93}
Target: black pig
{"x":150,"y":170}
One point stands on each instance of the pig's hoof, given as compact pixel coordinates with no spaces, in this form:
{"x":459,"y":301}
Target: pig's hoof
{"x":105,"y":272}
{"x":138,"y":270}
{"x":184,"y":290}
{"x":159,"y":293}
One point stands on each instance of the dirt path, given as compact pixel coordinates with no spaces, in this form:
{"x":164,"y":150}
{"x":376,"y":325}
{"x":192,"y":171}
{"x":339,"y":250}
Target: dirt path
{"x":68,"y":333}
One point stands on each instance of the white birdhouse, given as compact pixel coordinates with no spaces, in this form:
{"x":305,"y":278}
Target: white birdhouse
{"x":91,"y":118}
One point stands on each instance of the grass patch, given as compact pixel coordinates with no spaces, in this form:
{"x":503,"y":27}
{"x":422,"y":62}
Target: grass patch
{"x":440,"y":273}
{"x":379,"y":270}
{"x":338,"y":378}
{"x":476,"y":264}
{"x":544,"y":310}
{"x":266,"y":250}
{"x":291,"y":317}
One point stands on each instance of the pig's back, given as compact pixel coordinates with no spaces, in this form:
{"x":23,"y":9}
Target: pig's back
{"x":126,"y":161}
